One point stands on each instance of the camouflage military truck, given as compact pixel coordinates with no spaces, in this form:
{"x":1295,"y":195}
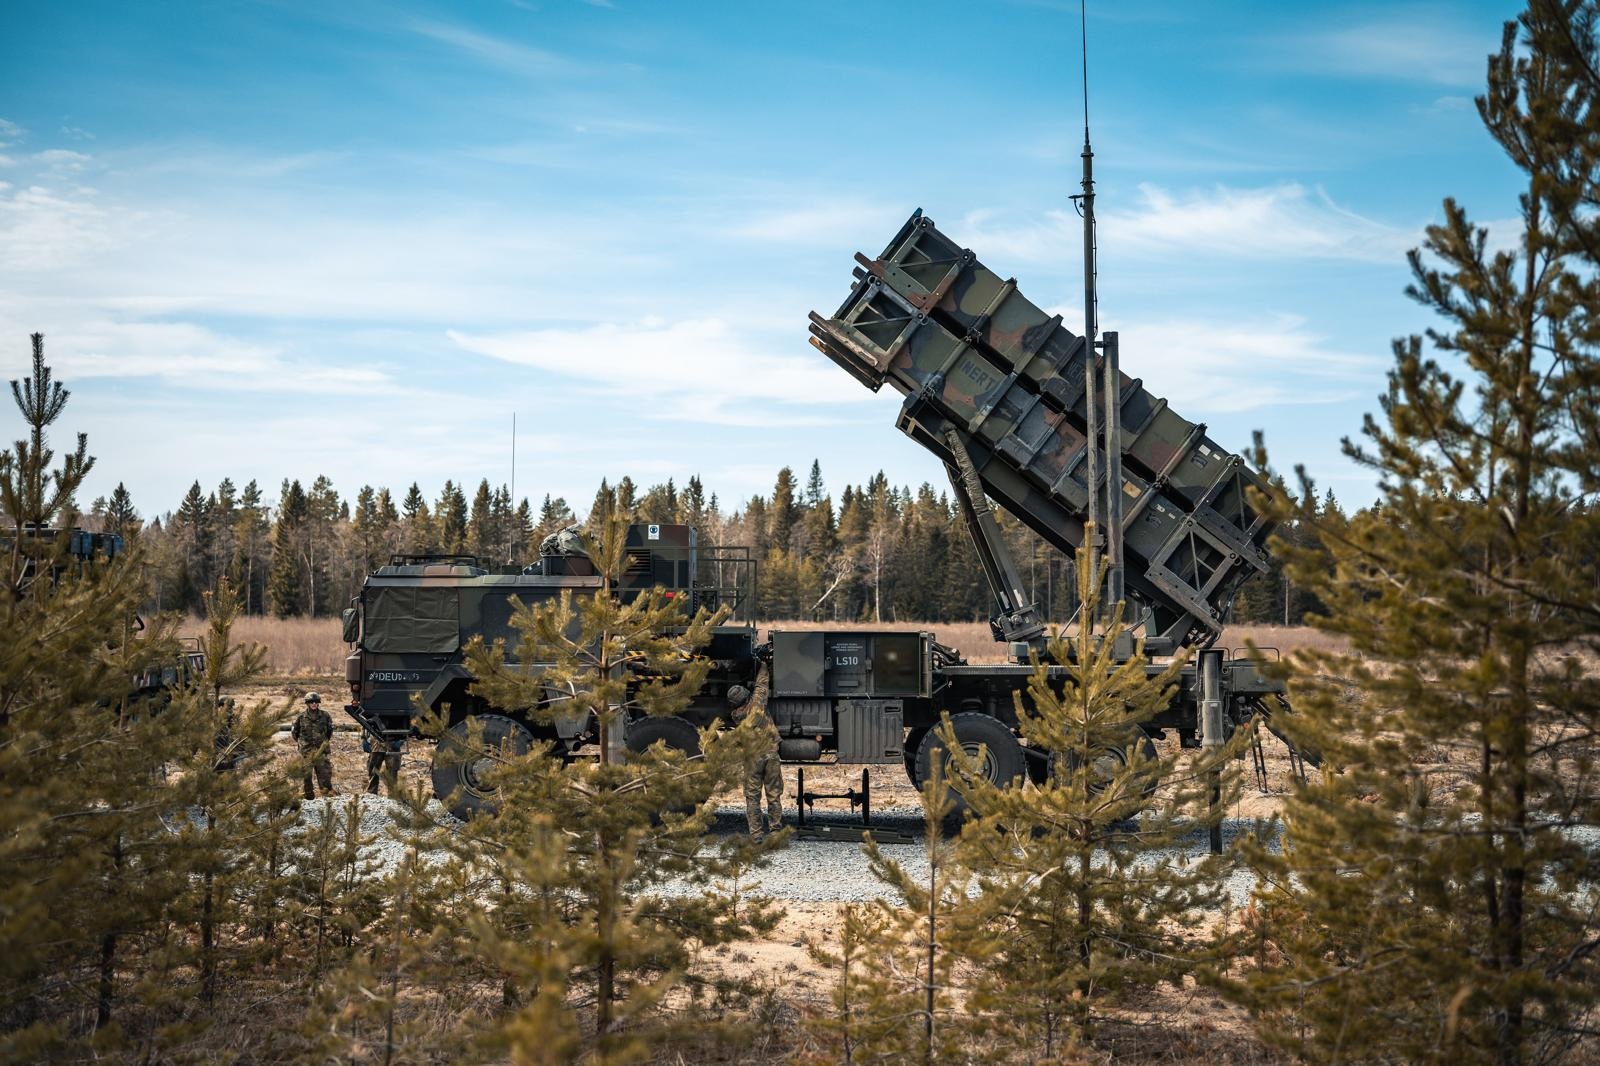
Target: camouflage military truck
{"x":414,"y":616}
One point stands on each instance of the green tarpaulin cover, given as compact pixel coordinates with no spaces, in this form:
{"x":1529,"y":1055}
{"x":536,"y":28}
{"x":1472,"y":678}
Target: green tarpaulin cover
{"x":412,"y":620}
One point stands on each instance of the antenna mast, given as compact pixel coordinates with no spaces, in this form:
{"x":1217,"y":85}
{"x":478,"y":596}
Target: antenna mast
{"x":1108,"y":532}
{"x":1090,"y":326}
{"x":511,"y":525}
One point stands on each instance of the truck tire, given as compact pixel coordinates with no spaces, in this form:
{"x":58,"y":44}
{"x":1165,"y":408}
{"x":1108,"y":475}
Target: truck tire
{"x":459,"y":768}
{"x":679,"y":734}
{"x":909,"y":754}
{"x":1003,"y":763}
{"x":1110,"y":762}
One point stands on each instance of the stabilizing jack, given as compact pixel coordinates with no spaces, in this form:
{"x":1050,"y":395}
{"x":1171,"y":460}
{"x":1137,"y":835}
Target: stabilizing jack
{"x":862,"y":799}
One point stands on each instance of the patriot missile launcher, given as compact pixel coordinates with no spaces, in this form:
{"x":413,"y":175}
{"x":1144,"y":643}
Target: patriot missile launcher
{"x":994,"y":387}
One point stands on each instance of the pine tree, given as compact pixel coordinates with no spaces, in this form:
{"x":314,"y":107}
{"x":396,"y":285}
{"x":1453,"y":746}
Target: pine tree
{"x":627,"y":496}
{"x":286,"y":586}
{"x":370,"y":530}
{"x":391,"y":941}
{"x":757,"y":527}
{"x":521,"y":533}
{"x":320,"y":544}
{"x":121,"y":517}
{"x":502,"y":543}
{"x":84,"y":859}
{"x":604,"y":502}
{"x":387,"y":515}
{"x":870,"y":1011}
{"x":450,"y":515}
{"x":1429,"y":901}
{"x":418,"y":534}
{"x":782,"y":513}
{"x":581,"y":847}
{"x":816,"y":491}
{"x":191,"y":525}
{"x":30,"y":494}
{"x":881,"y":520}
{"x":217,"y":784}
{"x":224,"y":506}
{"x":694,"y":506}
{"x":482,"y":537}
{"x":1073,"y":914}
{"x":251,"y":540}
{"x":907,"y":1005}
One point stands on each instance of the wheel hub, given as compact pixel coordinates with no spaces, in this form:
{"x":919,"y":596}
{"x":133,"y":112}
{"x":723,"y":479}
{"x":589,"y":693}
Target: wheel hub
{"x":474,"y":772}
{"x":988,"y":765}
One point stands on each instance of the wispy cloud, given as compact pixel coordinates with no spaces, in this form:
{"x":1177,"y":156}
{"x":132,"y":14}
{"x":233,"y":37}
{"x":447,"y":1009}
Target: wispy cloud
{"x":226,"y":164}
{"x":513,"y":56}
{"x":42,"y":230}
{"x":9,"y":131}
{"x":1286,"y":221}
{"x":834,"y":223}
{"x":1276,"y":222}
{"x":296,"y":259}
{"x":62,"y":160}
{"x":201,"y":359}
{"x":1226,"y":367}
{"x":1449,"y":105}
{"x":1421,"y":45}
{"x":697,"y":369}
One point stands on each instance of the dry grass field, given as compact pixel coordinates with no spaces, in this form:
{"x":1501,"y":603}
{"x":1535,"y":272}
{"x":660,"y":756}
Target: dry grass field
{"x":310,"y":647}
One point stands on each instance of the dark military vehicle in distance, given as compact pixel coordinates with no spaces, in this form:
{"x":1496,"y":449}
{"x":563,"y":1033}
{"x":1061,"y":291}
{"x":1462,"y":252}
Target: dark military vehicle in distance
{"x":413,"y":617}
{"x":61,"y":550}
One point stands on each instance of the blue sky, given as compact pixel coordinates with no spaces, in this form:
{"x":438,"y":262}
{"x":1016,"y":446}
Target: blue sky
{"x":274,"y":239}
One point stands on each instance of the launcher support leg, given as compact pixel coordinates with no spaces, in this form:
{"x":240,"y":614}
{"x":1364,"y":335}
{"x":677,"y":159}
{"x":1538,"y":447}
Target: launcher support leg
{"x":1019,"y":618}
{"x":1212,"y":727}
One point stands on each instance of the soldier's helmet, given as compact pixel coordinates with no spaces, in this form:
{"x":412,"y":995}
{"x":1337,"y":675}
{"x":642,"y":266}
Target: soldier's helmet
{"x":312,"y":697}
{"x":738,"y":696}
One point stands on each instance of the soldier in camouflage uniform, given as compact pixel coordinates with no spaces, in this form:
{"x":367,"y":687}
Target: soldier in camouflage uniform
{"x":764,"y":772}
{"x":313,"y":732}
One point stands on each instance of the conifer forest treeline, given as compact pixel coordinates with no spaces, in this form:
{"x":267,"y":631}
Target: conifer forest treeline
{"x":876,"y":553}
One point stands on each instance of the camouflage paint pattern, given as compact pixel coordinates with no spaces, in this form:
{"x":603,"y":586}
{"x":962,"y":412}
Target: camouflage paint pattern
{"x":416,"y":617}
{"x":969,"y":351}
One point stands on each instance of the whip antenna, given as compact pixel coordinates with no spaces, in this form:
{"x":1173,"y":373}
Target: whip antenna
{"x":1098,"y":378}
{"x":1090,"y":329}
{"x":511,"y":524}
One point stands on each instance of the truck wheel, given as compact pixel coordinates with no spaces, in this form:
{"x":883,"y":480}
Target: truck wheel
{"x":909,"y":755}
{"x":459,"y":767}
{"x":1104,"y":767}
{"x":1003,"y":761}
{"x":679,"y":734}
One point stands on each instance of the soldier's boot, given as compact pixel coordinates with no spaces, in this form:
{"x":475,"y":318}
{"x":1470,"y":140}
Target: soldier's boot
{"x":310,"y":789}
